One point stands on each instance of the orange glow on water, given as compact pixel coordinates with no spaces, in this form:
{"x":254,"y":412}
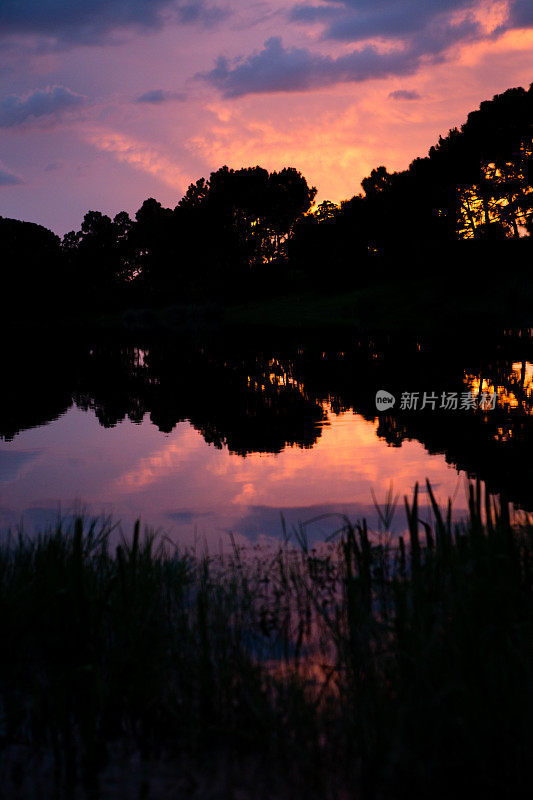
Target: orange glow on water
{"x":183,"y":485}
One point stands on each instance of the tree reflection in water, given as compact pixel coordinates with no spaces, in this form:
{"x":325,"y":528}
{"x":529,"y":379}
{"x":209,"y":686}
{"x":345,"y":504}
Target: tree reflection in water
{"x":265,"y":394}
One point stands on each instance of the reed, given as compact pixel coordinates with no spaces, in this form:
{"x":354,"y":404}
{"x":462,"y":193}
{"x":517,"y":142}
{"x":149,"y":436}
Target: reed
{"x":365,"y":668}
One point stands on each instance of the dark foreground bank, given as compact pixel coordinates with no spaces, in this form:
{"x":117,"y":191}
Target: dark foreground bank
{"x":361,"y":669}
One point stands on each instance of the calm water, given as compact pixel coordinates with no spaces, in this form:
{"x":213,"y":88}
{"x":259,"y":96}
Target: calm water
{"x":203,"y":435}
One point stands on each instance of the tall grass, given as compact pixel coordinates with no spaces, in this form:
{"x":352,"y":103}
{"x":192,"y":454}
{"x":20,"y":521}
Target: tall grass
{"x":366,"y":669}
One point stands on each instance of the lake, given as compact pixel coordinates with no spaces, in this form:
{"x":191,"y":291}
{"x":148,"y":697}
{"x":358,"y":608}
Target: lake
{"x":205,"y":434}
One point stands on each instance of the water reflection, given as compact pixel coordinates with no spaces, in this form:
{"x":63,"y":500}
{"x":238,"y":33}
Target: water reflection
{"x":220,"y":433}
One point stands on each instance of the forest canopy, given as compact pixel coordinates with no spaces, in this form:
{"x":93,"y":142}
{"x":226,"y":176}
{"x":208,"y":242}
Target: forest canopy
{"x":248,"y":232}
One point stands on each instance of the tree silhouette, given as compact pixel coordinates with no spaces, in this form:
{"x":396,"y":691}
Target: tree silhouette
{"x":244,"y":233}
{"x":32,"y":274}
{"x":476,"y":176}
{"x":250,"y":211}
{"x":100,"y":255}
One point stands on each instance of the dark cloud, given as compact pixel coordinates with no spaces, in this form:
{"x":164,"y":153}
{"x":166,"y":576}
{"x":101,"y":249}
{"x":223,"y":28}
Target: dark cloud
{"x":404,"y":94}
{"x":72,"y":22}
{"x":357,"y":20}
{"x":8,"y":179}
{"x":522,"y":13}
{"x":52,"y":101}
{"x":280,"y":69}
{"x":305,"y":13}
{"x":157,"y":96}
{"x":420,"y":30}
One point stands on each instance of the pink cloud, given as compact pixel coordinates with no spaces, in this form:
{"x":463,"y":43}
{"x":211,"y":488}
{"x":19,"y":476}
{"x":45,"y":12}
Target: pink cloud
{"x":141,"y":156}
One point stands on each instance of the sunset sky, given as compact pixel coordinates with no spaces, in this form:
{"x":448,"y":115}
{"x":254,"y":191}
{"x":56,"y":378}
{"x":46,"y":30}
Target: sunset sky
{"x":105,"y":103}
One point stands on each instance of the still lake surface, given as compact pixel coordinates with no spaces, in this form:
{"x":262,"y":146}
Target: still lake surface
{"x":202,"y":435}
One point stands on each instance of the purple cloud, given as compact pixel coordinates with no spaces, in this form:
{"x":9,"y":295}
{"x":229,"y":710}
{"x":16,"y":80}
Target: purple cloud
{"x":280,"y":69}
{"x":404,"y":94}
{"x":157,"y":96}
{"x":8,"y":179}
{"x":96,"y":21}
{"x":522,"y":13}
{"x":52,"y":101}
{"x":421,"y":29}
{"x":357,"y":20}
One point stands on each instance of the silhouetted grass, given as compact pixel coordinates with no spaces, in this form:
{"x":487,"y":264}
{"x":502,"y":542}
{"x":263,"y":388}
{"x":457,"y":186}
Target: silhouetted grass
{"x":360,"y":669}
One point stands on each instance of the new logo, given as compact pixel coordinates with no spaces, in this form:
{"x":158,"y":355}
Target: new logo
{"x":384,"y":400}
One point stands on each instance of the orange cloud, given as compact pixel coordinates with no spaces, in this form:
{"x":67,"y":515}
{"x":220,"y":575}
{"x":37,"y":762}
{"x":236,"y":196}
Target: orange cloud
{"x":336,"y":136}
{"x":344,"y":464}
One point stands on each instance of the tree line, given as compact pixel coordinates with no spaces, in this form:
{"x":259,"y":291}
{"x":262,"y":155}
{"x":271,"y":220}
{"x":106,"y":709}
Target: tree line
{"x":246,"y":233}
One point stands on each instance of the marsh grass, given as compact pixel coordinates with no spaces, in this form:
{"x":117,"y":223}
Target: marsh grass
{"x":360,"y":669}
